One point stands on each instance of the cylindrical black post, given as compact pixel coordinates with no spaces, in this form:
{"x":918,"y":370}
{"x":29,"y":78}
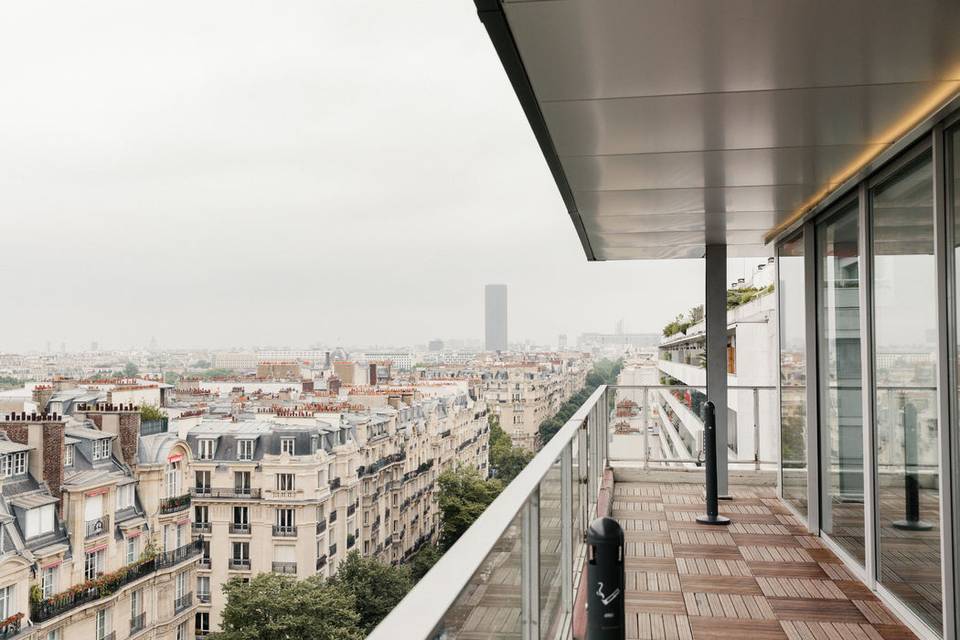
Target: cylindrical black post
{"x":710,"y":463}
{"x":606,"y":581}
{"x":911,"y":477}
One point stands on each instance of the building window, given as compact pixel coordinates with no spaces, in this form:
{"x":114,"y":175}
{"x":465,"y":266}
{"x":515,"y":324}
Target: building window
{"x":125,"y":495}
{"x":182,"y":632}
{"x":244,"y":449}
{"x":241,"y":552}
{"x":7,"y":603}
{"x":286,"y":519}
{"x":54,"y":634}
{"x":101,"y":449}
{"x":48,"y":581}
{"x":93,"y":564}
{"x":131,"y":547}
{"x":241,"y":482}
{"x":201,"y":514}
{"x":40,"y":520}
{"x":240,"y":515}
{"x":180,"y":585}
{"x":201,"y":481}
{"x":13,"y":464}
{"x":205,"y":450}
{"x":101,"y":624}
{"x":202,"y":623}
{"x":136,"y":604}
{"x":68,"y":455}
{"x":285,"y":481}
{"x":203,"y":587}
{"x":288,"y":445}
{"x":793,"y":374}
{"x":172,"y":477}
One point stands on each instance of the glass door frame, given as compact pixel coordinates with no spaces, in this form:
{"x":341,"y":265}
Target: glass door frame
{"x":855,"y":196}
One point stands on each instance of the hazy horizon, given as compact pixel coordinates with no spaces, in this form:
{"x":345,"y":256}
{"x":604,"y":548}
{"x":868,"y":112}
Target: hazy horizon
{"x":224,"y":174}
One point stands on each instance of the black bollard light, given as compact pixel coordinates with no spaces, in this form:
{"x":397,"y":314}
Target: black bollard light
{"x":911,"y":476}
{"x":710,"y":463}
{"x":606,"y":581}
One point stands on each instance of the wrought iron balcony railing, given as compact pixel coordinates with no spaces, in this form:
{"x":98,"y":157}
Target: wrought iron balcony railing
{"x":109,"y":584}
{"x":138,"y":622}
{"x":183,"y":602}
{"x":98,"y":526}
{"x":174,"y":504}
{"x":236,"y":493}
{"x":284,"y":531}
{"x":289,"y":568}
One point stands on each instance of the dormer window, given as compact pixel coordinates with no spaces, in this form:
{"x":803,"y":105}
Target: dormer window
{"x":205,"y":450}
{"x":13,"y":464}
{"x":40,"y":520}
{"x":68,"y":455}
{"x":288,"y":445}
{"x":244,"y":449}
{"x":101,"y":449}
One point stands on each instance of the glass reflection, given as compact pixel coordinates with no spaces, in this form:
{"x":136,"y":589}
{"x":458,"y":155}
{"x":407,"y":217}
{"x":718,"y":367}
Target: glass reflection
{"x":841,"y":409}
{"x":793,"y":375}
{"x":905,"y":321}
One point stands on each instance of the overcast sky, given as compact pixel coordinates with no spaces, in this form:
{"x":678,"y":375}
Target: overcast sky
{"x":286,"y":173}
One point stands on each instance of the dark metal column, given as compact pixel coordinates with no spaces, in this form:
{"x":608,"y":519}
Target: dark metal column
{"x":715,"y":308}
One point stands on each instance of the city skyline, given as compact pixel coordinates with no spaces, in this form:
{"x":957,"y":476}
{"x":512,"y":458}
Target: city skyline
{"x":165,"y":191}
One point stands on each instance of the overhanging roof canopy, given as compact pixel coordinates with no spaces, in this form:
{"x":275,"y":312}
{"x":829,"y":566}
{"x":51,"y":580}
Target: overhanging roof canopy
{"x":672,"y":124}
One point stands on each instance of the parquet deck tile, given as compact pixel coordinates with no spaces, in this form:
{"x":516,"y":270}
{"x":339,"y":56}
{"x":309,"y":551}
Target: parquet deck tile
{"x":762,"y":578}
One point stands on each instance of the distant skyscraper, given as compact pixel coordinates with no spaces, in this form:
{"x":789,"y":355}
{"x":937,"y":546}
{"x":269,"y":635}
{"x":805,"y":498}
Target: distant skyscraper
{"x":495,"y":317}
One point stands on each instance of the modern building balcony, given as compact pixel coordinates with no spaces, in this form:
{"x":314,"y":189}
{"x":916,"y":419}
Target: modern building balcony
{"x":289,"y":568}
{"x":175,"y":504}
{"x":183,"y":602}
{"x":97,"y":526}
{"x":764,"y":575}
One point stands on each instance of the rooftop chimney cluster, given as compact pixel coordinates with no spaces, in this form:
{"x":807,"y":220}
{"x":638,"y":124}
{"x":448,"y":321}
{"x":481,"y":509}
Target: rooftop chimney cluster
{"x":23,"y":416}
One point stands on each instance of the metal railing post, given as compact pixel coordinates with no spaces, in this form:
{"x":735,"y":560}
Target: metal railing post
{"x":566,"y":527}
{"x":582,"y":457}
{"x":756,"y":428}
{"x":530,"y":568}
{"x":645,"y":424}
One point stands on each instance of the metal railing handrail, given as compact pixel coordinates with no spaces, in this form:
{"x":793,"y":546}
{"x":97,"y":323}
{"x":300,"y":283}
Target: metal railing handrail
{"x":419,"y":613}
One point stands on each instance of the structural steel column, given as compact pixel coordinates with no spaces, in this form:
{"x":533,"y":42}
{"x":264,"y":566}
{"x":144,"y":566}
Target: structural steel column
{"x":715,"y":308}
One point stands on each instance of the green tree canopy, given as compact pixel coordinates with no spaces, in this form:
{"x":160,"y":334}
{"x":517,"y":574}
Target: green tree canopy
{"x":423,"y":560}
{"x":376,"y":587}
{"x":464,"y":494}
{"x":275,"y":607}
{"x":131,"y":370}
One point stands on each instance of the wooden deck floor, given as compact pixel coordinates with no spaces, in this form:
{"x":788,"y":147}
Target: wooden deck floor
{"x":762,"y":577}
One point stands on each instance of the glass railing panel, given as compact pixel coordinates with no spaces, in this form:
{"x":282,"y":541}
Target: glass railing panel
{"x":551,"y":553}
{"x":489,"y":607}
{"x":660,"y":426}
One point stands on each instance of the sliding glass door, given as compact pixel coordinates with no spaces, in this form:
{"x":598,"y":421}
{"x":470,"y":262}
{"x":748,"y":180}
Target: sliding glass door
{"x":840,"y":384}
{"x":793,"y":374}
{"x":905,"y":365}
